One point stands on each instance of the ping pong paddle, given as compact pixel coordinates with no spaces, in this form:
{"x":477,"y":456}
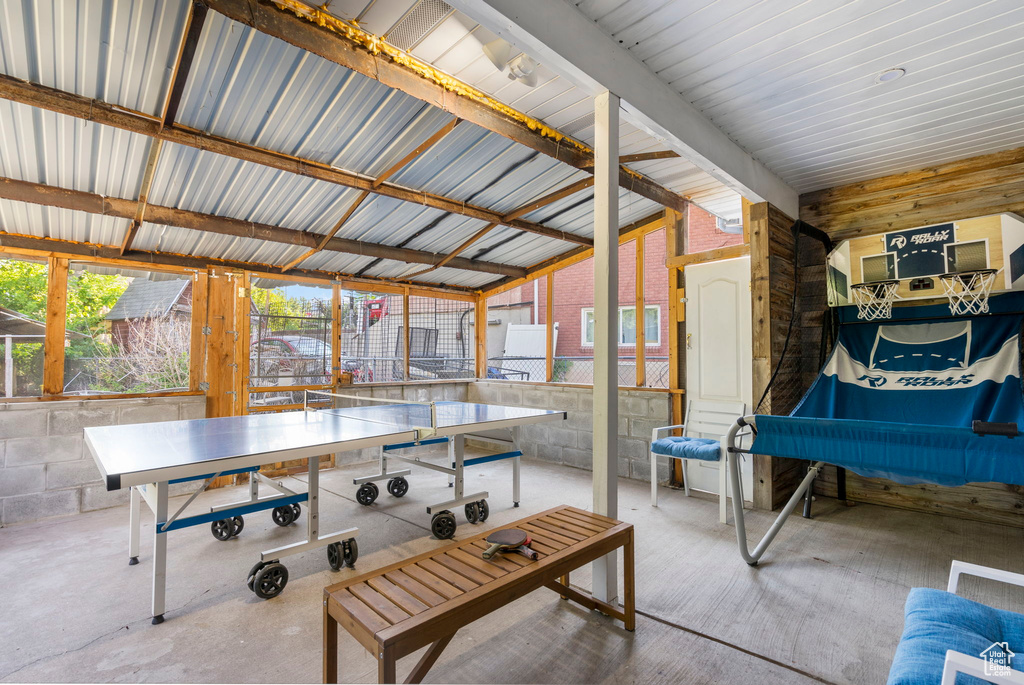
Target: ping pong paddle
{"x":509,"y":540}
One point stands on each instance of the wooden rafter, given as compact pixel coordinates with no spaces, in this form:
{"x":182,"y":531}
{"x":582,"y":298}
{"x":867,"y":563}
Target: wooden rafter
{"x":147,"y":181}
{"x":37,"y":193}
{"x":281,"y":20}
{"x":648,"y":156}
{"x":73,"y":105}
{"x":183,"y":65}
{"x":112,"y":254}
{"x":548,"y":199}
{"x":420,"y":149}
{"x":457,"y":251}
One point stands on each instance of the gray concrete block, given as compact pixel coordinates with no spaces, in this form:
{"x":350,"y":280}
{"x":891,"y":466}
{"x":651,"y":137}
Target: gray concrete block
{"x":581,"y":459}
{"x":146,"y":412}
{"x":3,"y":452}
{"x":562,"y":437}
{"x":98,"y":497}
{"x":660,"y":408}
{"x":640,"y":469}
{"x":566,"y":399}
{"x":623,"y":425}
{"x":537,"y":397}
{"x":193,"y":408}
{"x":632,"y":448}
{"x":72,"y":421}
{"x":23,"y":423}
{"x":70,"y":474}
{"x":631,"y":405}
{"x":511,"y":396}
{"x":580,"y":420}
{"x":585,"y":440}
{"x":623,"y":467}
{"x":585,"y":400}
{"x":43,"y":449}
{"x":641,"y":428}
{"x":22,"y":480}
{"x":549,"y":453}
{"x":41,"y":505}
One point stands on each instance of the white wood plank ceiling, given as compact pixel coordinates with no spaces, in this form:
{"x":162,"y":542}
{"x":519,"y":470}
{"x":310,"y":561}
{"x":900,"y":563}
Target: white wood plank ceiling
{"x":793,"y":82}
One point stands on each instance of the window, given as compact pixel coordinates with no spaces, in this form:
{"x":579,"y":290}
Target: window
{"x":128,"y":331}
{"x":22,"y":325}
{"x":627,"y":326}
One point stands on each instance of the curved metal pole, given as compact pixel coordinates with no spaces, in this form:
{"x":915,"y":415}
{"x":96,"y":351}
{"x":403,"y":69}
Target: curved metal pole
{"x":737,"y":503}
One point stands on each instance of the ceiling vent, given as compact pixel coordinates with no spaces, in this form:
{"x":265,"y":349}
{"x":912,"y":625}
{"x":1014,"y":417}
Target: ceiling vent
{"x":417,"y":23}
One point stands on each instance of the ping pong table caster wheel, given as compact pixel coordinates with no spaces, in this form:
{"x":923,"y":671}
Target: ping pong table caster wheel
{"x":485,"y":510}
{"x":367,"y":494}
{"x":398,"y":486}
{"x":225,"y":529}
{"x":283,"y":516}
{"x":334,"y":557}
{"x":350,"y":552}
{"x":477,"y":512}
{"x":298,"y":510}
{"x":269,"y":581}
{"x":443,"y":525}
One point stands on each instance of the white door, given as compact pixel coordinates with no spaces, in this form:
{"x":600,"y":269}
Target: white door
{"x":719,"y":351}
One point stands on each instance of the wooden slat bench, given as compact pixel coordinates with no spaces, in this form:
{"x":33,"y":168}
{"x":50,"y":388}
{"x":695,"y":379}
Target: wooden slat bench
{"x":425,"y":600}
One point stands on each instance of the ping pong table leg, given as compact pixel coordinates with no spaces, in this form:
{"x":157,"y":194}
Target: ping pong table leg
{"x":134,"y":524}
{"x":159,"y":554}
{"x":458,"y":443}
{"x":515,"y":467}
{"x":451,"y":460}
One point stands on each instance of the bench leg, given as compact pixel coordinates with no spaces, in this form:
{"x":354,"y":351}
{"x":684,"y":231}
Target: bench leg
{"x":386,"y":666}
{"x":428,"y":659}
{"x":628,"y":583}
{"x":330,"y":647}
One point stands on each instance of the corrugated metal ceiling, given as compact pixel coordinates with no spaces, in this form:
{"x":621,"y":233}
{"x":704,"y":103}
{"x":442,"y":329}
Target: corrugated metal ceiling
{"x":250,"y":87}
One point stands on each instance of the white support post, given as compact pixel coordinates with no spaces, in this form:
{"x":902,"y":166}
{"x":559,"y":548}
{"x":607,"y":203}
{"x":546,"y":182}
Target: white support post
{"x":134,"y":525}
{"x":606,"y":321}
{"x":159,"y":553}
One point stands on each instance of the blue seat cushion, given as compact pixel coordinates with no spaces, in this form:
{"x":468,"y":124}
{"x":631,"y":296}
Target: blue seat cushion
{"x":704,"y":449}
{"x":936,"y":621}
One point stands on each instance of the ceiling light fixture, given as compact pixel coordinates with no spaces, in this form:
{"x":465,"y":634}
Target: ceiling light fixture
{"x":890,"y":75}
{"x":520,"y":68}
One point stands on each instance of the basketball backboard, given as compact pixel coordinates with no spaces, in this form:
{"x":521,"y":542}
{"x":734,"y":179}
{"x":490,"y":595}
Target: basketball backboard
{"x":916,"y":257}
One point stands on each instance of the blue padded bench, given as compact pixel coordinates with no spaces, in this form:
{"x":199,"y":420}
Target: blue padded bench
{"x":945,"y":636}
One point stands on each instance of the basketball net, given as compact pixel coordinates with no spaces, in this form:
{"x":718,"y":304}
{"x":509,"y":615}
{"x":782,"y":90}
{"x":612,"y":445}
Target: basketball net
{"x":874,"y":300}
{"x":968,"y":291}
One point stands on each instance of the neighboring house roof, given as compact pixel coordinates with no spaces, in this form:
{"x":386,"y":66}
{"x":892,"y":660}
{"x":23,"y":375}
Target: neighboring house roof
{"x":144,"y":298}
{"x":13,"y":323}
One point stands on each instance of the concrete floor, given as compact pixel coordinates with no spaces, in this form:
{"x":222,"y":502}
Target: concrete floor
{"x":826,"y":605}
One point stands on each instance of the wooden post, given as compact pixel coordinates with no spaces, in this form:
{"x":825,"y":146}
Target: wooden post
{"x":549,"y":353}
{"x":675,"y":226}
{"x":641,"y":334}
{"x":480,"y":333}
{"x":336,"y":335}
{"x":197,"y":347}
{"x":760,"y":294}
{"x":56,"y":326}
{"x":405,"y":332}
{"x":606,"y":352}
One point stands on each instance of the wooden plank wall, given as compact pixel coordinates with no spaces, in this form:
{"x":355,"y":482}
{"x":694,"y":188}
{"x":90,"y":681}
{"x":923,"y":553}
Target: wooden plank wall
{"x":967,"y":188}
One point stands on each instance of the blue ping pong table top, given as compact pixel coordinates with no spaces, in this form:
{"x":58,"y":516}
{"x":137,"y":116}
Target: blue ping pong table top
{"x":154,"y":452}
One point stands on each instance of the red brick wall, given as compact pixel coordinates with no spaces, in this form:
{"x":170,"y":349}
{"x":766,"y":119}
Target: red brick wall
{"x":704,"y":234}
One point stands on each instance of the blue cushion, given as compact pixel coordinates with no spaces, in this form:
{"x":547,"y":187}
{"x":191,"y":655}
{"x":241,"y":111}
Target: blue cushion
{"x":705,"y":449}
{"x":936,"y":621}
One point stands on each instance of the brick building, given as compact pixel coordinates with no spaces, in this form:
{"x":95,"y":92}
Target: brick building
{"x":574,"y":302}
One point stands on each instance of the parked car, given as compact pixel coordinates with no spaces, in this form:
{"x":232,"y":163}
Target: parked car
{"x":290,"y":360}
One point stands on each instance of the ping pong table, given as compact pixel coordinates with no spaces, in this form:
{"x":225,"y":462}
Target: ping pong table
{"x":150,"y":457}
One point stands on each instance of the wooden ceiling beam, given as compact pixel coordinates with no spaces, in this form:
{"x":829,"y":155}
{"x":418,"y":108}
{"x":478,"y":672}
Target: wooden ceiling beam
{"x":37,"y":193}
{"x":140,"y":258}
{"x":155,"y":146}
{"x":420,"y":149}
{"x":318,"y":32}
{"x":106,"y":114}
{"x":548,"y":199}
{"x":183,"y":65}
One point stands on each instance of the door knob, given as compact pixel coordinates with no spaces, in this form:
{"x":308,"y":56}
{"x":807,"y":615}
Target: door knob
{"x":688,"y":336}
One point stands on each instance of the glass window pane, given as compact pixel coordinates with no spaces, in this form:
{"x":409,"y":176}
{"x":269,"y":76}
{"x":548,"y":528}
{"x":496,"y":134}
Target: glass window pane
{"x":651,"y":325}
{"x":129,"y":331}
{"x":627,"y":326}
{"x":589,"y":334}
{"x":22,"y":326}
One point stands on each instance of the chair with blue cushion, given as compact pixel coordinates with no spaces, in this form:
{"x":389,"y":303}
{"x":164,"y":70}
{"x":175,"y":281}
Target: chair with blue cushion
{"x":700,"y":439}
{"x":947,"y":639}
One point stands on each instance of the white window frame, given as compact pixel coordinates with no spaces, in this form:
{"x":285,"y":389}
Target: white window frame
{"x":647,"y":343}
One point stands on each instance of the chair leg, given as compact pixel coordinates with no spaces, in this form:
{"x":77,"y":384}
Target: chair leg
{"x":723,"y":493}
{"x":686,"y":477}
{"x":654,"y":479}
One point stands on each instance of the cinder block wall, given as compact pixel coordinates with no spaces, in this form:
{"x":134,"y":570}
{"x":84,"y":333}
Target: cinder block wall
{"x":572,"y":442}
{"x":46,"y":470}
